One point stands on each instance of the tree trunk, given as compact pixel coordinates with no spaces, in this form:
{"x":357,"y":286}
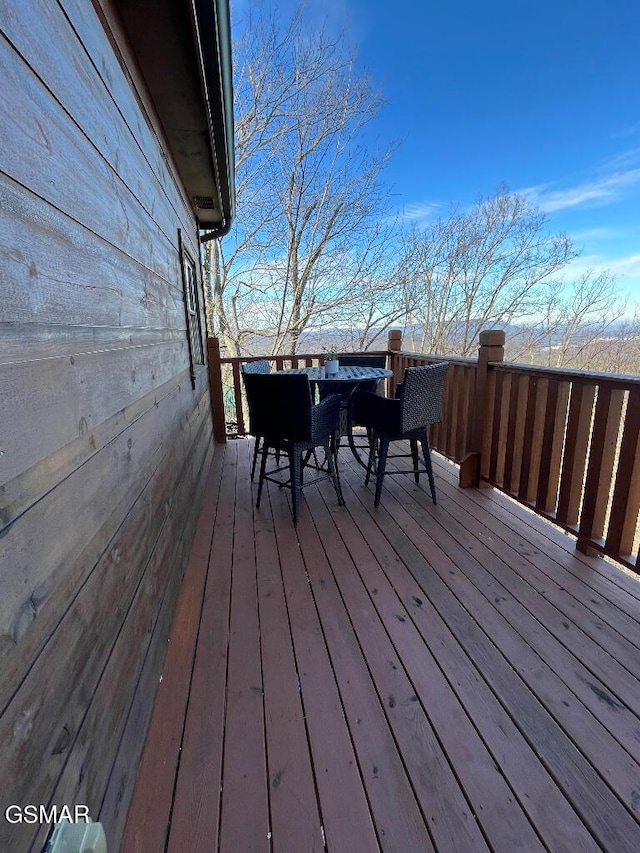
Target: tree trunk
{"x":214,"y":291}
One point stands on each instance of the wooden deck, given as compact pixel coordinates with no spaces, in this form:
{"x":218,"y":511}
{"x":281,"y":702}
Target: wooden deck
{"x":414,"y":678}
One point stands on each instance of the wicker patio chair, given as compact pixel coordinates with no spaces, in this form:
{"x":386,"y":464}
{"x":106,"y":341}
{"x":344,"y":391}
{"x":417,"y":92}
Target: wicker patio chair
{"x":284,"y":415}
{"x":418,"y":404}
{"x":260,"y":367}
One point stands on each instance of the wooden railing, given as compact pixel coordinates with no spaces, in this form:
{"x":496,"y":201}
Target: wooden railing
{"x":564,"y":443}
{"x":453,"y":437}
{"x":227,"y":394}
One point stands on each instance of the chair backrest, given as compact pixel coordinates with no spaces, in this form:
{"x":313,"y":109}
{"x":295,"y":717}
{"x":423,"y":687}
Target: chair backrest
{"x":253,"y":367}
{"x":280,"y":405}
{"x":422,"y":395}
{"x":261,"y":366}
{"x":362,"y":360}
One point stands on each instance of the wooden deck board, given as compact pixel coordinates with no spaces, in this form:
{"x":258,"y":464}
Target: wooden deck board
{"x":410,"y":678}
{"x":245,"y":775}
{"x":612,"y":760}
{"x":370,"y":689}
{"x":295,"y":817}
{"x":571,"y":669}
{"x":195,"y":818}
{"x":346,"y":816}
{"x":446,"y":585}
{"x":440,"y":734}
{"x":535,"y":787}
{"x":150,"y":811}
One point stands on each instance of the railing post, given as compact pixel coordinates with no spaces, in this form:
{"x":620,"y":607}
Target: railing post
{"x":215,"y":390}
{"x":394,"y":345}
{"x":395,"y":340}
{"x":491,"y":349}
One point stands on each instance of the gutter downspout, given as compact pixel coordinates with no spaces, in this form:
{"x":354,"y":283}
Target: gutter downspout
{"x":216,"y":233}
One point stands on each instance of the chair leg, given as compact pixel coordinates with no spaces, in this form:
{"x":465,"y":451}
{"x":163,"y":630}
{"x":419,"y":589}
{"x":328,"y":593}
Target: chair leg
{"x":332,"y":464}
{"x":295,"y":466}
{"x":256,"y":450}
{"x":414,"y":456}
{"x":372,"y":456}
{"x":263,"y":468}
{"x":382,"y":464}
{"x":426,"y":452}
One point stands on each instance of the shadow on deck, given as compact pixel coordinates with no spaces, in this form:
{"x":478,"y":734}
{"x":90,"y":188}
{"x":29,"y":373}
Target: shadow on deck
{"x":414,"y":678}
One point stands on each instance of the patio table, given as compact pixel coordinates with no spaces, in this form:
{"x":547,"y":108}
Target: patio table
{"x":348,"y":380}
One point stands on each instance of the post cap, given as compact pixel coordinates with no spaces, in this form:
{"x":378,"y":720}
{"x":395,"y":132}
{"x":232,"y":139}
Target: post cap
{"x":492,"y":338}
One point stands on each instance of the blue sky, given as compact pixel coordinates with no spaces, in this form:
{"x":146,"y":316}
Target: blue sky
{"x":544,"y":96}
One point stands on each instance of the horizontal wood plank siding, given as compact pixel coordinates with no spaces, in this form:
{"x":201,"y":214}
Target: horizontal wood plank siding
{"x":104,"y":443}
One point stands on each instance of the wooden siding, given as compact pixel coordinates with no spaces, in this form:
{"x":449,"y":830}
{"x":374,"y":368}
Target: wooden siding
{"x":412,"y":678}
{"x":103,"y":441}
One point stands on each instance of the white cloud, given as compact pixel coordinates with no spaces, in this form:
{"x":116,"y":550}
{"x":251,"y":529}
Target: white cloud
{"x":589,"y":234}
{"x":594,"y":193}
{"x":420,"y":211}
{"x":620,"y":162}
{"x":629,"y":266}
{"x":632,"y":130}
{"x":626,"y":269}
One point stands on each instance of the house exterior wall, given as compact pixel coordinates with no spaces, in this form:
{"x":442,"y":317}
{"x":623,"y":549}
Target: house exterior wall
{"x":103,"y":440}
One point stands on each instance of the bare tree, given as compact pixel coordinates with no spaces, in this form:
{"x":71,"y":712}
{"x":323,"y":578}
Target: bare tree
{"x":477,"y":268}
{"x":578,"y":324}
{"x":620,"y":351}
{"x":311,"y":230}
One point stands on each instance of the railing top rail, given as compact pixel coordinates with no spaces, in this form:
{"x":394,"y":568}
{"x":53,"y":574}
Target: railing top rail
{"x":453,"y":359}
{"x":586,"y":377}
{"x":299,"y":355}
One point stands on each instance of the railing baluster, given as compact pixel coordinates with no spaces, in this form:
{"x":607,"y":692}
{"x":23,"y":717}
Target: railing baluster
{"x":434,"y":436}
{"x":523,"y":392}
{"x":454,"y":410}
{"x":463,"y":413}
{"x":624,"y":506}
{"x":488,"y":426}
{"x":594,"y":468}
{"x":237,"y":390}
{"x":575,"y":455}
{"x":510,"y":448}
{"x":544,"y":479}
{"x":496,"y":427}
{"x":504,"y":423}
{"x":530,"y":441}
{"x":607,"y":467}
{"x":557,"y":446}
